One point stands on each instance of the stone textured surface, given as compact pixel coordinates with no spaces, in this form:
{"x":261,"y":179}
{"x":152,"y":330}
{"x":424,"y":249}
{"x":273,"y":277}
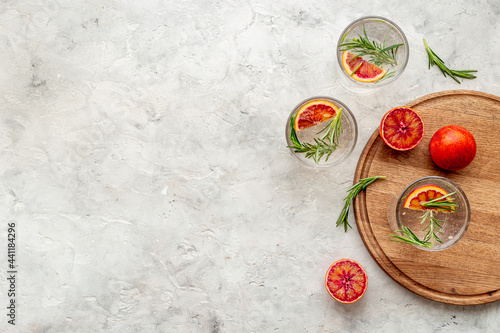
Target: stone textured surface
{"x":144,"y":163}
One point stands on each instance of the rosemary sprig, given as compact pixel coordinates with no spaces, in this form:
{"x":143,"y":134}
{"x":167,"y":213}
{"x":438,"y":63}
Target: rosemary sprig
{"x":410,"y":238}
{"x":379,"y":54}
{"x":389,"y":74}
{"x":321,"y":147}
{"x":435,"y":60}
{"x":316,"y":151}
{"x":293,"y":133}
{"x":334,"y":129}
{"x":433,"y":227}
{"x":441,"y":203}
{"x":353,"y":192}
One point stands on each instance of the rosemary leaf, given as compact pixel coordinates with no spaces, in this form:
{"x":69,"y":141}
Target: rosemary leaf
{"x":293,"y":134}
{"x":386,"y":76}
{"x":353,"y":192}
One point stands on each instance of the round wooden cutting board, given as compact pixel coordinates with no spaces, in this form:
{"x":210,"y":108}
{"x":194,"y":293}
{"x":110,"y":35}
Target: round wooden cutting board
{"x":468,"y":272}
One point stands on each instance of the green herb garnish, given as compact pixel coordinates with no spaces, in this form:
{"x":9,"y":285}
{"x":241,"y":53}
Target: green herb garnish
{"x":379,"y":54}
{"x":324,"y":146}
{"x":333,"y":130}
{"x":385,"y":77}
{"x":441,"y":203}
{"x":433,"y":227}
{"x":410,"y":238}
{"x":353,"y":192}
{"x":435,"y":60}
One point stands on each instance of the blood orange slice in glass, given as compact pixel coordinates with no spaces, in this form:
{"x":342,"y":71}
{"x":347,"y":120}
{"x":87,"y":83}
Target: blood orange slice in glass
{"x":360,"y":69}
{"x":402,"y":128}
{"x":314,"y":113}
{"x":426,"y":193}
{"x":346,"y":281}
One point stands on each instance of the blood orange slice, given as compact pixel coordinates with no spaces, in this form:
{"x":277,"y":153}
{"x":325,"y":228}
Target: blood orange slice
{"x":360,"y":69}
{"x":402,"y":128}
{"x":314,"y":113}
{"x":346,"y":281}
{"x":425,"y":193}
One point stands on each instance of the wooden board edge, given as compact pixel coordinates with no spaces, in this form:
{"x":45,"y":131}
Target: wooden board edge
{"x":451,"y":92}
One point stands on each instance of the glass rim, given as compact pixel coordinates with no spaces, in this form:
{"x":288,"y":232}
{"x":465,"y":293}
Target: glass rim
{"x":348,"y":114}
{"x":372,"y":18}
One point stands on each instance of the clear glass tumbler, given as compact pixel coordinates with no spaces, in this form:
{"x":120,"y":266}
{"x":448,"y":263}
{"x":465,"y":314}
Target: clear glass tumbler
{"x":356,"y":55}
{"x":308,"y":136}
{"x":454,"y":224}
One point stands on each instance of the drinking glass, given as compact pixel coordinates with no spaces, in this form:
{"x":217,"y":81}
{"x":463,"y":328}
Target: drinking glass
{"x":347,"y":139}
{"x":385,"y":33}
{"x":454,"y":224}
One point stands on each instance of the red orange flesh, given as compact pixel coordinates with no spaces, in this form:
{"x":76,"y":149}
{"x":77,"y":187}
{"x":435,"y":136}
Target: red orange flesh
{"x":360,"y":69}
{"x":422,"y":194}
{"x":346,"y":281}
{"x":402,"y":128}
{"x":314,"y":113}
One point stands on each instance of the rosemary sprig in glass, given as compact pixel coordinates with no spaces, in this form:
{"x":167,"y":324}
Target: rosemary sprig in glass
{"x":435,"y":60}
{"x":379,"y":54}
{"x":333,"y":130}
{"x":325,"y":145}
{"x":433,"y":227}
{"x":410,"y":238}
{"x":353,"y":192}
{"x":441,"y":203}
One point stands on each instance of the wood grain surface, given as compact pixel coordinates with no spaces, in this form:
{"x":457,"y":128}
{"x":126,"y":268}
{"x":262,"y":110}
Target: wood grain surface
{"x":468,"y":272}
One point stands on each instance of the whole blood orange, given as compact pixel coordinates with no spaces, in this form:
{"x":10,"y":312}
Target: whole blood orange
{"x":452,"y":148}
{"x":346,"y":281}
{"x":360,"y":69}
{"x":314,"y":113}
{"x":402,"y":128}
{"x":425,"y":193}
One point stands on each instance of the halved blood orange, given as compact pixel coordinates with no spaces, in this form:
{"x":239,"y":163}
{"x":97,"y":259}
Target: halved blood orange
{"x":314,"y":113}
{"x":346,"y":281}
{"x":425,"y":193}
{"x":360,"y":69}
{"x":402,"y":128}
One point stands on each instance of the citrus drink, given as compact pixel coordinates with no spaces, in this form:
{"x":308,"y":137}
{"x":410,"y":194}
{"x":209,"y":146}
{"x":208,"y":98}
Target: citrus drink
{"x":321,"y":132}
{"x":404,"y":212}
{"x":364,"y":61}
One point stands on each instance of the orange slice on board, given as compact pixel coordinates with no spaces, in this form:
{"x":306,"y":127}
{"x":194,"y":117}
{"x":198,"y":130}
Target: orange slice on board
{"x":425,"y":193}
{"x":314,"y":113}
{"x":346,"y":281}
{"x":360,"y":69}
{"x":402,"y":128}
